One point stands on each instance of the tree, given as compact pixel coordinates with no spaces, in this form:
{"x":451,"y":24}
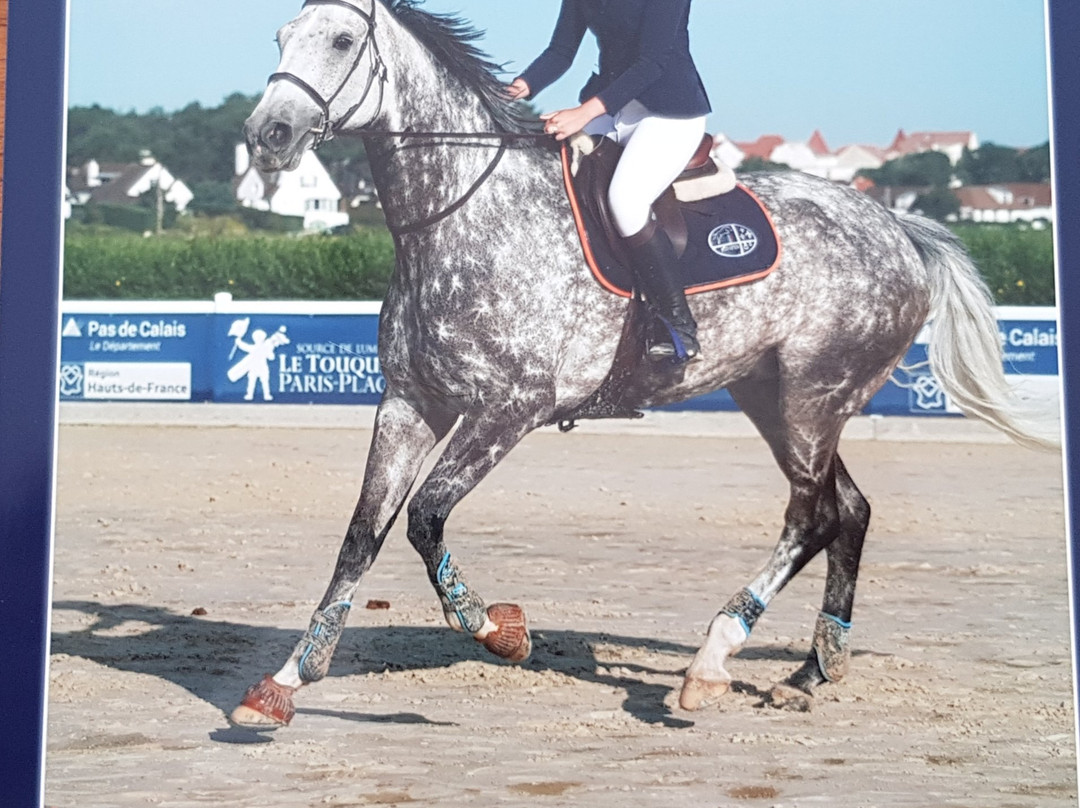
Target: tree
{"x":761,"y":164}
{"x":1035,"y":164}
{"x":924,"y":169}
{"x":937,"y":203}
{"x":94,"y":132}
{"x":197,"y":144}
{"x":988,"y":164}
{"x":212,"y":197}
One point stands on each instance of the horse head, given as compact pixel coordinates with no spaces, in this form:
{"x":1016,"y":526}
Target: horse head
{"x":330,"y":76}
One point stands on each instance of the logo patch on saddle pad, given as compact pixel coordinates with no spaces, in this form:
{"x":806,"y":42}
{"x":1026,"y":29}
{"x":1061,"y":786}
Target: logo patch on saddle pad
{"x":732,"y":240}
{"x":721,"y":241}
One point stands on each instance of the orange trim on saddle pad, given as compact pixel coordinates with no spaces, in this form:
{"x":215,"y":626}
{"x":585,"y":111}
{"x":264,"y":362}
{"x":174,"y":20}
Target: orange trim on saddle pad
{"x":598,"y":271}
{"x":583,"y":234}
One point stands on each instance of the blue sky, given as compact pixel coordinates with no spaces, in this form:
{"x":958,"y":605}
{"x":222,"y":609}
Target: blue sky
{"x":856,"y":70}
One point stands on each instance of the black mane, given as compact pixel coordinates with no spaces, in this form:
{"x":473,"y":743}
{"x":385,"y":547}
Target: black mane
{"x":450,"y":39}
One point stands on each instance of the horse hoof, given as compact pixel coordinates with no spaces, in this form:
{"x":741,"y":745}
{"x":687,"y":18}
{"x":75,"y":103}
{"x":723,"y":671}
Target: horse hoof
{"x":266,"y":705}
{"x":697,"y":693}
{"x":510,"y":638}
{"x":786,"y":697}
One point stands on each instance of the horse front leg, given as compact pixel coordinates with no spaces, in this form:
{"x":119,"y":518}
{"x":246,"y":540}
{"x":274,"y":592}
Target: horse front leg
{"x":481,"y":441}
{"x":403,"y":436}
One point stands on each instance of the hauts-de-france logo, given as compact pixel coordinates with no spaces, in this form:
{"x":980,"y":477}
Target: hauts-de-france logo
{"x":71,"y":379}
{"x":927,"y":393}
{"x":732,"y":240}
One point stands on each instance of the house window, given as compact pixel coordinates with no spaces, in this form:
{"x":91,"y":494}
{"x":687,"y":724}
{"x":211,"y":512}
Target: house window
{"x":308,"y":181}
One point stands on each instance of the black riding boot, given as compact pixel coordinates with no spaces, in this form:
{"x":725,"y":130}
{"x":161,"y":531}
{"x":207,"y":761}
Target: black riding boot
{"x":653,"y":261}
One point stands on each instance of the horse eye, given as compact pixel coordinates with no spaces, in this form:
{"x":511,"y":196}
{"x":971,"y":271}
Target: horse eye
{"x":343,"y":42}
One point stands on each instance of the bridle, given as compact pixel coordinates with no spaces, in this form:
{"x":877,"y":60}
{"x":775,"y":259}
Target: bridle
{"x":326,"y":128}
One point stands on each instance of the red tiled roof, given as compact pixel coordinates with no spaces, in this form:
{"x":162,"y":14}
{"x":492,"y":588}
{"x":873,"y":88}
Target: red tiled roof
{"x":1025,"y":195}
{"x":817,"y":143}
{"x":924,"y":141}
{"x":762,"y":147}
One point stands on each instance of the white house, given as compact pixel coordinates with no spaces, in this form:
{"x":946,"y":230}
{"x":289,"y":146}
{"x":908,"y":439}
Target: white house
{"x":66,"y":201}
{"x":799,"y":156}
{"x":1006,"y":202}
{"x":813,"y":156}
{"x":952,"y":144}
{"x":725,"y":150}
{"x":307,"y":191}
{"x":124,"y":183}
{"x":850,"y":160}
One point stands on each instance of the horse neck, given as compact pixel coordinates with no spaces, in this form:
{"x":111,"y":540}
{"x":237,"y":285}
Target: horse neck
{"x":418,"y":177}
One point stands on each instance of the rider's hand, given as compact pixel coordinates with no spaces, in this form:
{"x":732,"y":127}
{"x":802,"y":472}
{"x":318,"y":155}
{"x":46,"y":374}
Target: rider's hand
{"x":517,"y":89}
{"x":566,"y":122}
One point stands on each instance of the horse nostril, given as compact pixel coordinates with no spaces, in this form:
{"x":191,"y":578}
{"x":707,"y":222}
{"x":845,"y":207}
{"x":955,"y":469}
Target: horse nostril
{"x":277,"y":135}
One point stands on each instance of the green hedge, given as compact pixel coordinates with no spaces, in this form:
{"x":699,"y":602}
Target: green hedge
{"x":353,"y":267}
{"x":273,"y":222}
{"x":1017,"y":263}
{"x":135,"y":218}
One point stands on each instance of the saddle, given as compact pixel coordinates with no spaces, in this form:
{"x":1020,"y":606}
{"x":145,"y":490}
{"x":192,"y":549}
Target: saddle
{"x":721,"y":233}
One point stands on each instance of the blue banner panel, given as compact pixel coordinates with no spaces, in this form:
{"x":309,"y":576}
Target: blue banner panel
{"x":1030,"y":347}
{"x":296,"y":359}
{"x":326,"y":353}
{"x":1029,"y":351}
{"x":135,"y":357}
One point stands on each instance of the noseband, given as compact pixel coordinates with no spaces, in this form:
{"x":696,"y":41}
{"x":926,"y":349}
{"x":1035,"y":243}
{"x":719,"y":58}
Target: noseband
{"x":326,"y":128}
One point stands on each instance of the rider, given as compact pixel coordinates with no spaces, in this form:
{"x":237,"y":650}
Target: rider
{"x":648,"y":96}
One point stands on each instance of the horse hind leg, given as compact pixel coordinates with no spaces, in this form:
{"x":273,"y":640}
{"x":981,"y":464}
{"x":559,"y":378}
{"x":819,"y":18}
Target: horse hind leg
{"x":829,"y":651}
{"x":482,"y":439}
{"x":803,"y":439}
{"x":402,"y":438}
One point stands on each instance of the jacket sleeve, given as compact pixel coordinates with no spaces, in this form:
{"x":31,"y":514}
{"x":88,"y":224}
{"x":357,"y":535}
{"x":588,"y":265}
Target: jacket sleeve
{"x":661,"y":24}
{"x":559,"y":55}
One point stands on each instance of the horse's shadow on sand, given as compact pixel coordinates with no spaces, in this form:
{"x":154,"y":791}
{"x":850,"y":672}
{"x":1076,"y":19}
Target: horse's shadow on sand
{"x":213,"y":660}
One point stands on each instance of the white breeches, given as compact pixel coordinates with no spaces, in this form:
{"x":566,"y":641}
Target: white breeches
{"x":656,"y":150}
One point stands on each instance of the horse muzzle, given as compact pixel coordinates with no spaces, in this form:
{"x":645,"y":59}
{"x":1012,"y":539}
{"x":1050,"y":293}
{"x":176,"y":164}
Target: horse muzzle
{"x":273,"y":144}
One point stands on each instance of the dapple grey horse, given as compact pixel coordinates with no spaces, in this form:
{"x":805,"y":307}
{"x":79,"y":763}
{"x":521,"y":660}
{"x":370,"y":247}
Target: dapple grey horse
{"x":493,"y":326}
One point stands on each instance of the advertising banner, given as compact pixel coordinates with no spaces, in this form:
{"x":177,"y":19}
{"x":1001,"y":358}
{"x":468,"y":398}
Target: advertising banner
{"x":326,"y":353}
{"x":297,"y":359}
{"x":114,"y":351}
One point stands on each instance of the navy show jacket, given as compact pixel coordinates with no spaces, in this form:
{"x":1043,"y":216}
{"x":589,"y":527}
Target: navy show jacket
{"x":644,"y":55}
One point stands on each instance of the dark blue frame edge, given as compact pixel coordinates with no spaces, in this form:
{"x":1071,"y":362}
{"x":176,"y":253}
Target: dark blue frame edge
{"x":29,"y":303}
{"x":1064,"y":19}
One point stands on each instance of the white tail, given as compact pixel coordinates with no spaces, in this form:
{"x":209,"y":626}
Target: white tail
{"x":964,"y":349}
